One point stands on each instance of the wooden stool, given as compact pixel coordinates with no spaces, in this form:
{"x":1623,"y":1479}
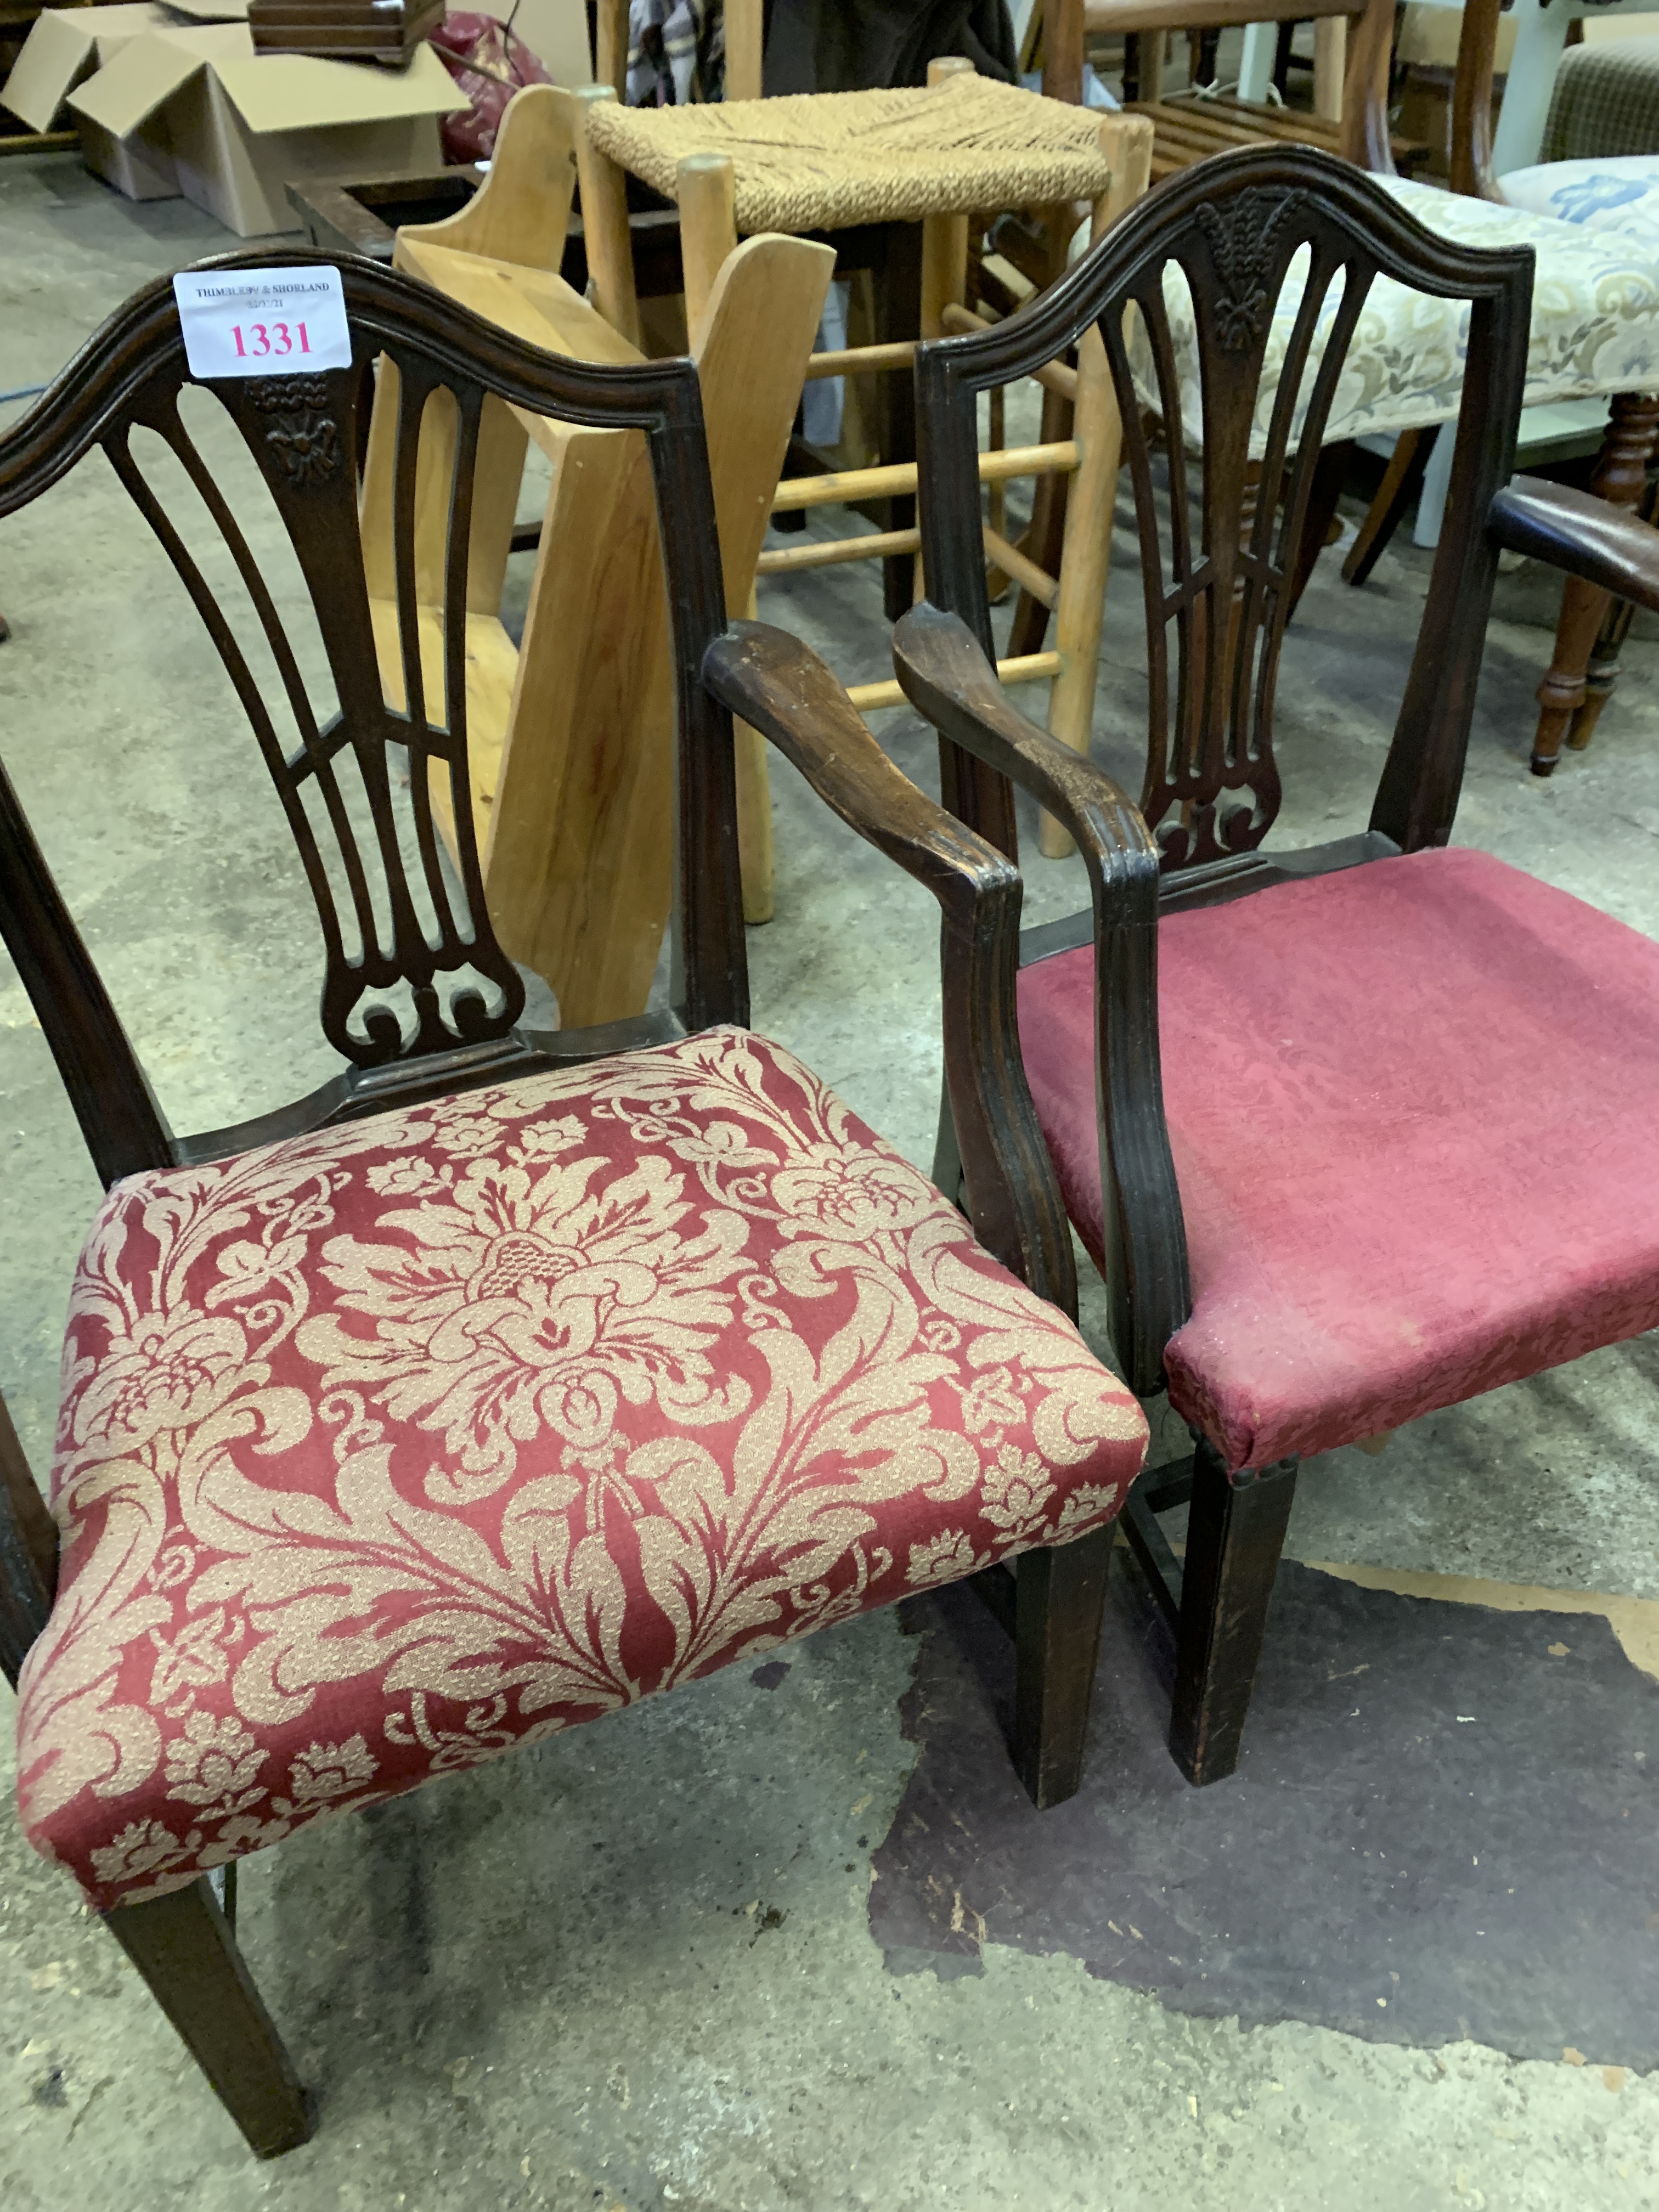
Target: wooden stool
{"x":963,"y":148}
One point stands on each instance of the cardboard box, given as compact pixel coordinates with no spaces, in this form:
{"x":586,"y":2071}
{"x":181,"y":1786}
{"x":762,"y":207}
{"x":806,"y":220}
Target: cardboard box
{"x":66,"y":46}
{"x":240,"y":125}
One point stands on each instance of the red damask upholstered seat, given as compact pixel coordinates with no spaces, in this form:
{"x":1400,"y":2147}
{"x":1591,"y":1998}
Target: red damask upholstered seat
{"x":1361,"y":1073}
{"x":392,"y":1445}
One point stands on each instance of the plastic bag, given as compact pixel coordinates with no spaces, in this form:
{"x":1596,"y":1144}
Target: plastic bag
{"x":489,"y":63}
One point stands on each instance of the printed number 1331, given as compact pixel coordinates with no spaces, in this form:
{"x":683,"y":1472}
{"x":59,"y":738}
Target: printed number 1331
{"x":274,"y":338}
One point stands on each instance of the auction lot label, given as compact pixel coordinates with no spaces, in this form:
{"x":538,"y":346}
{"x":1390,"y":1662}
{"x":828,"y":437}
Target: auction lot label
{"x":262,"y":322}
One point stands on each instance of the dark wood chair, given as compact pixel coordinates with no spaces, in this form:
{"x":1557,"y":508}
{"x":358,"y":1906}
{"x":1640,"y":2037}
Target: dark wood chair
{"x":1287,"y":1095}
{"x":511,"y":1375}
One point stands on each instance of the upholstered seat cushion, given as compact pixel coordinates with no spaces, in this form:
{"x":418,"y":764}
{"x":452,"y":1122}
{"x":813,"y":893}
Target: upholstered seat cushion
{"x":1620,"y":195}
{"x":389,"y":1446}
{"x":1411,"y":1108}
{"x":1595,"y":327}
{"x":969,"y":146}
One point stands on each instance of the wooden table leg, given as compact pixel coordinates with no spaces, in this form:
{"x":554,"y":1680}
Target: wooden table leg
{"x":1620,"y":478}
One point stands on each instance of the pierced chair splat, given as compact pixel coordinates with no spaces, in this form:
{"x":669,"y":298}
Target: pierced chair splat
{"x":512,"y":1376}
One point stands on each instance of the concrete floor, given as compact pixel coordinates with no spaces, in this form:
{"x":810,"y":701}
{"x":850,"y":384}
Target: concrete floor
{"x":632,"y":1968}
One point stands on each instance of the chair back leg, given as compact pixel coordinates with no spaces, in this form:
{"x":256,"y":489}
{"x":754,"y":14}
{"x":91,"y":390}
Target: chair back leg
{"x":183,"y":1946}
{"x":1235,"y":1533}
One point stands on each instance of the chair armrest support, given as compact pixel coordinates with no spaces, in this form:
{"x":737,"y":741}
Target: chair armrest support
{"x":1574,"y":531}
{"x":947,"y":677}
{"x":28,"y":1554}
{"x":779,"y":687}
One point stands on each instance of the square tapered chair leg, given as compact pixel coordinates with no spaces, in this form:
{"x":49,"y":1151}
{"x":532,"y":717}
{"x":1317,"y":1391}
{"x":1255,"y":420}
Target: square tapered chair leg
{"x":1235,"y":1532}
{"x":183,"y":1946}
{"x":1061,"y":1592}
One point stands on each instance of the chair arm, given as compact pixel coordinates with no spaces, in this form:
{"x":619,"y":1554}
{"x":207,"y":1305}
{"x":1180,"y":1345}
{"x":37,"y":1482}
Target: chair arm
{"x":1605,"y":546}
{"x":779,"y":687}
{"x":28,"y":1554}
{"x":946,"y":677}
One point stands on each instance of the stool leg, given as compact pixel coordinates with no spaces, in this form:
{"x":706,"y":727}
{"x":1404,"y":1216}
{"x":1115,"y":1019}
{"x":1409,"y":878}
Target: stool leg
{"x":1620,"y":478}
{"x":1086,"y":548}
{"x":604,"y":226}
{"x":610,"y":45}
{"x":745,"y":57}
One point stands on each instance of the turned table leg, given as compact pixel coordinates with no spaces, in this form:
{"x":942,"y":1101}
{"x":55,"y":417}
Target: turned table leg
{"x":1620,"y":478}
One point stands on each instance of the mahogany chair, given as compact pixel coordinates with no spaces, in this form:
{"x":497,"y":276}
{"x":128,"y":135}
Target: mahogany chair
{"x":1286,"y":1094}
{"x":511,"y":1375}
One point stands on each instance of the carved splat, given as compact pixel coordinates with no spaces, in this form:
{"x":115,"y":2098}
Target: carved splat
{"x":1218,"y":598}
{"x":1189,"y":293}
{"x":411,"y":966}
{"x":418,"y":995}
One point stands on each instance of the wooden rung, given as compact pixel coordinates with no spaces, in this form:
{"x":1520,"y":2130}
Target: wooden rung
{"x":859,"y":361}
{"x":1029,"y":668}
{"x":899,"y":478}
{"x":826,"y":551}
{"x":1013,"y":563}
{"x":1053,"y":373}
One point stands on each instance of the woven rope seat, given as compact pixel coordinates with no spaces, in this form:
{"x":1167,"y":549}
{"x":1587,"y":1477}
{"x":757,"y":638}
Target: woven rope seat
{"x":817,"y":161}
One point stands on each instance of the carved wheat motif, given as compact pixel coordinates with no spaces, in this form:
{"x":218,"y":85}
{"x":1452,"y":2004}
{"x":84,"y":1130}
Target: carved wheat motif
{"x":1240,"y":234}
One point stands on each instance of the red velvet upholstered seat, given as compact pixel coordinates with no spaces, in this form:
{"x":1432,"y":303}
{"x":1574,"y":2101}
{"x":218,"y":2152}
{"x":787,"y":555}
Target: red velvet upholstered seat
{"x":1363,"y":1076}
{"x":391,"y":1446}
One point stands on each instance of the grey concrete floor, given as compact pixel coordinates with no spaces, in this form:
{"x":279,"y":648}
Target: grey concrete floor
{"x":631,"y":1967}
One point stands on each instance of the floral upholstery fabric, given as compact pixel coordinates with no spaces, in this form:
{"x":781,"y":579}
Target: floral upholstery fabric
{"x":1620,"y":196}
{"x":1595,"y":327}
{"x":389,"y":1446}
{"x":1412,"y":1113}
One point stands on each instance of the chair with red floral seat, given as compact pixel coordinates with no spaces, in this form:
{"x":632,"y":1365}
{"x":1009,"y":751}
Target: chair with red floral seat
{"x":512,"y":1376}
{"x":1287,"y":1095}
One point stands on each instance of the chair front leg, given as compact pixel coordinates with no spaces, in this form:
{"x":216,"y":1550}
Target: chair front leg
{"x":1060,"y":1595}
{"x":183,"y":1946}
{"x":1235,"y":1533}
{"x":1620,"y":478}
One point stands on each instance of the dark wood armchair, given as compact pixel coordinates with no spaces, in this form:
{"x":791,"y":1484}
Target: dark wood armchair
{"x":511,"y":1375}
{"x":1287,"y":1095}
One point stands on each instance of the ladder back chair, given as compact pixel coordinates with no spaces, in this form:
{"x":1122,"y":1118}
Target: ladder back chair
{"x":1193,"y":126}
{"x":511,"y":1375}
{"x":1284,"y":1092}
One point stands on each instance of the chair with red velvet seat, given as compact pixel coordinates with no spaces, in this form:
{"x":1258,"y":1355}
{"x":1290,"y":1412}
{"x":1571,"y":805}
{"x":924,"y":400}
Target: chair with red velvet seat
{"x":1290,"y":1095}
{"x":512,"y":1375}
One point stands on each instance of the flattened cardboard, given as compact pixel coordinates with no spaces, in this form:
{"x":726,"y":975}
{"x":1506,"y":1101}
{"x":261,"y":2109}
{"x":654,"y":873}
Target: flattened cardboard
{"x":239,"y":125}
{"x":279,"y":92}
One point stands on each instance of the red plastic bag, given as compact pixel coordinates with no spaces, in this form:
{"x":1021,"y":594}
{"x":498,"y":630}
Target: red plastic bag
{"x":489,"y":63}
